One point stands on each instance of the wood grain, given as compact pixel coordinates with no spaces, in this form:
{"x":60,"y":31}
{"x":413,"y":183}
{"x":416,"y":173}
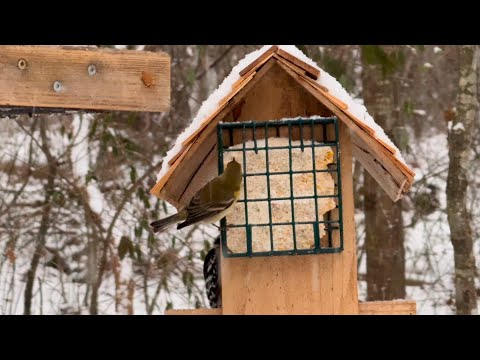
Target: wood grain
{"x":378,"y":172}
{"x":123,"y":79}
{"x":394,"y":307}
{"x":312,"y":72}
{"x":267,"y":54}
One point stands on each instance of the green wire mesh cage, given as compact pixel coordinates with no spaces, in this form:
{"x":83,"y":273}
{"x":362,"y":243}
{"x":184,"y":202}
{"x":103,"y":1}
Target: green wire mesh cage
{"x":291,"y":201}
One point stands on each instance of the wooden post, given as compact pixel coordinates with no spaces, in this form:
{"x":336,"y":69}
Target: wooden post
{"x":79,"y":78}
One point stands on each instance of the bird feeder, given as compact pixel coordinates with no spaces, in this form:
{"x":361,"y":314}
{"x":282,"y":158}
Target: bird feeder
{"x":288,"y":245}
{"x":288,"y":199}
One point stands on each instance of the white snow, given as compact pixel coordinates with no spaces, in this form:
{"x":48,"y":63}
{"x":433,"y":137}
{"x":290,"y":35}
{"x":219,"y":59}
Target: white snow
{"x":436,"y":50}
{"x":459,"y":126}
{"x":79,"y":154}
{"x":427,"y":65}
{"x":325,"y":79}
{"x":80,"y":160}
{"x":420,"y":112}
{"x":96,"y":198}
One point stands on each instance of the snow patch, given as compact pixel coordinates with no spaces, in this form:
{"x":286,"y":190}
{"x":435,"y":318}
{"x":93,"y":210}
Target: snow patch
{"x":420,"y":112}
{"x":436,"y":50}
{"x":427,"y":65}
{"x":79,"y":154}
{"x":95,"y":197}
{"x":459,"y":126}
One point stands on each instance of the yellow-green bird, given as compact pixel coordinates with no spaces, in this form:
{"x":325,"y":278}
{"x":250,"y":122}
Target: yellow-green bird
{"x":211,"y":203}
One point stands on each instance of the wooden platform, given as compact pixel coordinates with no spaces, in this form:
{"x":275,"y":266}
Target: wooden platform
{"x":397,"y":307}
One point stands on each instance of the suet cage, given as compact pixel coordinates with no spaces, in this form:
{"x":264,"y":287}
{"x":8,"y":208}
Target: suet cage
{"x":291,"y":201}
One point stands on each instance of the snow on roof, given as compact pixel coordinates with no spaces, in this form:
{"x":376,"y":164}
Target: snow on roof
{"x":325,"y":79}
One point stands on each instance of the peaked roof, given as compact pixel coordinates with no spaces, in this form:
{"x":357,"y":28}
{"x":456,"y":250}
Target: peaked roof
{"x":367,"y":133}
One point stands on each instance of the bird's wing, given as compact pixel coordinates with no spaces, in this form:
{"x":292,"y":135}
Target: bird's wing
{"x":198,"y":211}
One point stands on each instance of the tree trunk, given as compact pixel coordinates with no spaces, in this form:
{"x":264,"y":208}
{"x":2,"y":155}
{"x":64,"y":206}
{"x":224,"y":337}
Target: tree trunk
{"x":383,"y":218}
{"x":459,"y":143}
{"x":44,"y":222}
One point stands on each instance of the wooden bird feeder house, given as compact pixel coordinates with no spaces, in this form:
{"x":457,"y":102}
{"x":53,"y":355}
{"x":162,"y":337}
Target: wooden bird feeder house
{"x":294,"y":130}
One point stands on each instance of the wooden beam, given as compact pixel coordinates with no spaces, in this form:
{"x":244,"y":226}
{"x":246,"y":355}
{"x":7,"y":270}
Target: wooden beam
{"x":159,"y":185}
{"x":381,"y":176}
{"x":79,"y":78}
{"x":259,"y":60}
{"x":395,"y":307}
{"x":221,"y":105}
{"x":344,"y":269}
{"x":311,"y":71}
{"x":194,"y":312}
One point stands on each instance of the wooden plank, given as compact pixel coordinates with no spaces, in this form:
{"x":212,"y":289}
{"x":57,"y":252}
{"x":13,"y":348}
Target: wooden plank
{"x":405,"y":167}
{"x":386,"y":146}
{"x":177,"y":182}
{"x":301,"y":72}
{"x":202,"y":127}
{"x":205,"y":172}
{"x":221,"y":105}
{"x":236,"y":90}
{"x":241,"y":79}
{"x":395,"y":307}
{"x":317,"y":85}
{"x":239,"y":82}
{"x":175,"y":158}
{"x":294,"y":67}
{"x":388,"y":161}
{"x":266,"y":55}
{"x":345,"y":294}
{"x":336,"y":101}
{"x":159,"y":185}
{"x":378,"y":172}
{"x":312,"y":72}
{"x":396,"y":172}
{"x":56,"y":77}
{"x":194,"y":312}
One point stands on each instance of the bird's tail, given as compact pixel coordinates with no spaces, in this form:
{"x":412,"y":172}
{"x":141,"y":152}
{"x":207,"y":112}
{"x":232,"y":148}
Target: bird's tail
{"x":163,"y":224}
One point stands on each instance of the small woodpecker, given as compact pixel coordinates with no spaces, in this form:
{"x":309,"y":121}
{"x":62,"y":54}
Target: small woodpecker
{"x":211,"y":273}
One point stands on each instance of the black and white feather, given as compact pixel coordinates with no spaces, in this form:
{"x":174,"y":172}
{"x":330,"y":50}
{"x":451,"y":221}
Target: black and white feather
{"x":211,"y":273}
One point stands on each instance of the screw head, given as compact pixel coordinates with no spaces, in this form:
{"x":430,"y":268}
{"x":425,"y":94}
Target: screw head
{"x":57,"y":86}
{"x":92,"y":70}
{"x":22,"y":64}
